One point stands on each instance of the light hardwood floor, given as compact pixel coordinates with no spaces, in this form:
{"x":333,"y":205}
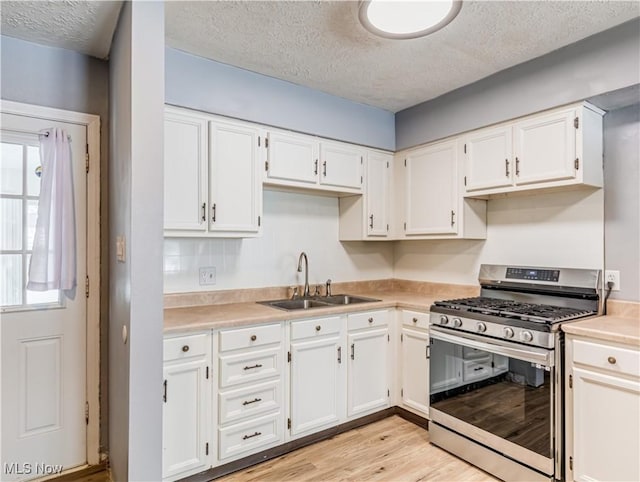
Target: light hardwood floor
{"x":389,"y":450}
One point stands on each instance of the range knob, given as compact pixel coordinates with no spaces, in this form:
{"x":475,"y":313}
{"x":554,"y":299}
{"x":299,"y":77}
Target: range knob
{"x":526,"y":336}
{"x":444,"y":320}
{"x":457,"y":322}
{"x":507,"y":332}
{"x":481,"y":327}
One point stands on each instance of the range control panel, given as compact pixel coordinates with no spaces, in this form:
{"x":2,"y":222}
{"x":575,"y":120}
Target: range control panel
{"x":551,"y":275}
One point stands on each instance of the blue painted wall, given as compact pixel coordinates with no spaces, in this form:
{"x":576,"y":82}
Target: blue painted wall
{"x":203,"y":84}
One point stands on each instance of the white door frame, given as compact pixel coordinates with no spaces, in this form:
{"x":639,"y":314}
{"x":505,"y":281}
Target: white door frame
{"x":92,"y":123}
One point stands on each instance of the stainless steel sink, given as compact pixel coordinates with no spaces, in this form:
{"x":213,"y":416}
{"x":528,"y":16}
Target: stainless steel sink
{"x":346,"y":299}
{"x":316,"y":302}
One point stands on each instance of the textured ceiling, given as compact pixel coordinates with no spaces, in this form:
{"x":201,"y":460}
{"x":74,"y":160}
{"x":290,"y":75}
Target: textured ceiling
{"x":321,"y":44}
{"x":83,"y":26}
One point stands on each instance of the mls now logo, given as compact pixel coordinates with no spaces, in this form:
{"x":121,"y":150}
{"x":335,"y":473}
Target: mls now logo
{"x":15,"y":468}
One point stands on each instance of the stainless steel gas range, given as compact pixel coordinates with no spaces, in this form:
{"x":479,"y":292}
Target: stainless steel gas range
{"x":495,"y":372}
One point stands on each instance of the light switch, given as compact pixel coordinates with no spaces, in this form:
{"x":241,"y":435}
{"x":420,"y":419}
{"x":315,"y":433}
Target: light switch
{"x":121,"y":249}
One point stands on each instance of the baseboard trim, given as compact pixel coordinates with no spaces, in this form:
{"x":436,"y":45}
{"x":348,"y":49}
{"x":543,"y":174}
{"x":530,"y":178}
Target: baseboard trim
{"x":74,"y":474}
{"x":272,"y":453}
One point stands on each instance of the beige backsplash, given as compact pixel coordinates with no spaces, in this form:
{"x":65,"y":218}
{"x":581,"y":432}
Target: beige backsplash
{"x":445,"y":290}
{"x":625,"y":309}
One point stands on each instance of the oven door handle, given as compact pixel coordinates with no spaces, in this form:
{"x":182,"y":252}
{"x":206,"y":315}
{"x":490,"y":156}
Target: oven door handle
{"x":529,"y":354}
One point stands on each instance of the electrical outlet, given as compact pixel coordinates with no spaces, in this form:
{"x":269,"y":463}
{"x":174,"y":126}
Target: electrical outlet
{"x":208,"y":276}
{"x":614,"y":277}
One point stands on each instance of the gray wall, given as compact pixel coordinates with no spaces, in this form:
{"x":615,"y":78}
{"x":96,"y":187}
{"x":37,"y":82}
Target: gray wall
{"x":135,"y":376}
{"x":622,"y":198}
{"x":63,"y":79}
{"x":210,"y":86}
{"x":602,"y":63}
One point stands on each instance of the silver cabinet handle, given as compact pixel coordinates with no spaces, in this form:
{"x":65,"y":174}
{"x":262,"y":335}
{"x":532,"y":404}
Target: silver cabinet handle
{"x":324,"y":168}
{"x":453,"y":221}
{"x":315,"y":171}
{"x":517,"y":166}
{"x":371,"y":221}
{"x":249,"y":402}
{"x":612,"y":360}
{"x":213,"y":208}
{"x":164,"y":394}
{"x":254,"y":434}
{"x":353,"y":351}
{"x":339,"y":354}
{"x":254,"y":337}
{"x":370,"y":320}
{"x":185,"y":348}
{"x":506,"y":167}
{"x":257,"y":365}
{"x":318,"y":328}
{"x":204,"y":211}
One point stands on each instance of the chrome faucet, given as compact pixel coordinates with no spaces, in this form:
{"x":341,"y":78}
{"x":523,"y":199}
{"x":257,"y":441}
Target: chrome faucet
{"x":306,"y":292}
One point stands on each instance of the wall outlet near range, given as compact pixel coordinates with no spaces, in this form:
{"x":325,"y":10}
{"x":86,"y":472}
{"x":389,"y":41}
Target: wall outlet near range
{"x":614,"y":277}
{"x":208,"y":276}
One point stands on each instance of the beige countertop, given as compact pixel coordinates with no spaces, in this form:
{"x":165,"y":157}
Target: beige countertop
{"x":614,"y":328}
{"x":194,"y":318}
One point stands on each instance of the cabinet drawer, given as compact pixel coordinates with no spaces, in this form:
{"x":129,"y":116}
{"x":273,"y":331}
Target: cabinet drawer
{"x":186,"y":346}
{"x":258,"y":335}
{"x":249,"y":436}
{"x":250,"y":367}
{"x":606,"y":357}
{"x":415,"y":319}
{"x":315,"y":328}
{"x":357,"y":321}
{"x":249,"y":402}
{"x":476,"y":369}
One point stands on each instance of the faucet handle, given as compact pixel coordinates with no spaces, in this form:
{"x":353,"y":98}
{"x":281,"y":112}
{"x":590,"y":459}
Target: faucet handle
{"x":295,"y":293}
{"x":317,"y":292}
{"x":328,"y":288}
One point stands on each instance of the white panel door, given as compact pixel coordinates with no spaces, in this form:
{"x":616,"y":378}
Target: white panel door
{"x":185,"y":171}
{"x":341,"y":165}
{"x":377,"y":193}
{"x":432,"y":190}
{"x":317,"y":384}
{"x":43,"y":335}
{"x":234,"y":183}
{"x":488,"y":162}
{"x":415,"y":370}
{"x":545,"y":148}
{"x":606,"y":437}
{"x":292,"y":157}
{"x":368,"y":384}
{"x":185,"y":417}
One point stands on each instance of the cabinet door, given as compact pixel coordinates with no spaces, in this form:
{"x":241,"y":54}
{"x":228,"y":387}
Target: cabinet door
{"x":292,"y":157}
{"x":367,"y":386}
{"x":341,"y":165}
{"x":415,"y":370}
{"x":431,"y":190}
{"x":488,"y":161}
{"x":606,"y":441}
{"x":377,"y":193}
{"x":185,"y":172}
{"x":235,"y":187}
{"x":317,"y":384}
{"x":545,"y":148}
{"x":185,"y":418}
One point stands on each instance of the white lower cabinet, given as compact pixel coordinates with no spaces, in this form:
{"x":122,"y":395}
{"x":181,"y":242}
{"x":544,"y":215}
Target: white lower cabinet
{"x":414,"y":362}
{"x":186,"y":414}
{"x":250,"y":414}
{"x":368,"y":368}
{"x":317,"y":375}
{"x":603,"y":410}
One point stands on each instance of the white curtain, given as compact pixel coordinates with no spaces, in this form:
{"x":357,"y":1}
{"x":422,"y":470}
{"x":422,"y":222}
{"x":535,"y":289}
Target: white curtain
{"x":53,"y":262}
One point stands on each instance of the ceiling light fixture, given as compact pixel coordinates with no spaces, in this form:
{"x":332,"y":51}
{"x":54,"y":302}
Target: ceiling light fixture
{"x":406,"y":19}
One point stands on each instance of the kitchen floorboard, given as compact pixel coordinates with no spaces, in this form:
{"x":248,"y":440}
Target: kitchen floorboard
{"x":392,"y":449}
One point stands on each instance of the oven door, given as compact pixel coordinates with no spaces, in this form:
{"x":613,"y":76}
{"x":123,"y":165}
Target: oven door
{"x":497,"y":393}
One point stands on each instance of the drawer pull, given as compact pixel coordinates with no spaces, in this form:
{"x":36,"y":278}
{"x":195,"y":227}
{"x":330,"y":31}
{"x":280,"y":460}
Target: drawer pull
{"x":249,"y":402}
{"x":185,"y":348}
{"x":318,"y":328}
{"x":254,"y":434}
{"x":477,"y":369}
{"x":612,"y":360}
{"x":370,"y":320}
{"x":254,"y":337}
{"x":415,"y":320}
{"x":257,"y":365}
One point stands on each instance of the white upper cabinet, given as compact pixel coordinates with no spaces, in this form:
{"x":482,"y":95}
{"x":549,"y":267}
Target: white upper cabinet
{"x":292,"y":157}
{"x":185,"y":171}
{"x":367,"y":217}
{"x":301,"y":161}
{"x":235,"y":186}
{"x":212,"y":182}
{"x":553,"y":149}
{"x":488,"y":162}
